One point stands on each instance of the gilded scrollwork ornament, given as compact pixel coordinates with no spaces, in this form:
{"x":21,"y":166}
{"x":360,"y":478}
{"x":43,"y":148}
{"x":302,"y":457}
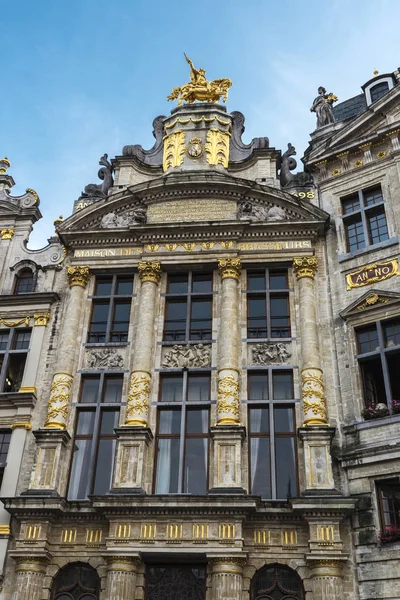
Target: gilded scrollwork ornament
{"x":78,"y":276}
{"x":137,"y":406}
{"x":305,"y":266}
{"x":150,"y":271}
{"x":59,"y":401}
{"x":228,"y":400}
{"x":217,"y":147}
{"x":174,"y":150}
{"x":229,"y":268}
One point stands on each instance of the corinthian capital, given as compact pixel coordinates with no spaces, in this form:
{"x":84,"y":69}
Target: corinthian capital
{"x":78,"y":276}
{"x":229,"y":267}
{"x":150,"y":271}
{"x":305,"y":266}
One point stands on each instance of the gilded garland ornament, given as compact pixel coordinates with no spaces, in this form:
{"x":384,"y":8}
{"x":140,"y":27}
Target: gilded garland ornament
{"x":229,"y":268}
{"x":150,"y":271}
{"x":137,"y":405}
{"x":78,"y":276}
{"x":228,"y":400}
{"x":305,"y":266}
{"x":58,"y":405}
{"x":313,"y":395}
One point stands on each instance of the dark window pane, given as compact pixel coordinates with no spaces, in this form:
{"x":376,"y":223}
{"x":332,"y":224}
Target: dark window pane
{"x":15,"y":372}
{"x":175,"y":322}
{"x":197,"y":421}
{"x":124,"y":286}
{"x":109,"y":420}
{"x":80,"y":469}
{"x":367,"y":339}
{"x":178,"y":284}
{"x":170,"y":422}
{"x":259,"y":420}
{"x":167,"y":466}
{"x":350,"y":204}
{"x":285,"y":458}
{"x":373,"y":196}
{"x":201,"y":283}
{"x":377,"y":226}
{"x":260,"y":463}
{"x":256,"y":281}
{"x":24,"y":282}
{"x":379,"y":90}
{"x":200,"y":323}
{"x":171,"y":389}
{"x":373,"y":382}
{"x":5,"y":439}
{"x":120,"y":324}
{"x":258,"y":386}
{"x":90,"y":389}
{"x":4,"y":336}
{"x":390,"y":502}
{"x":283,"y":418}
{"x":355,"y":234}
{"x":112,"y":389}
{"x":257,"y":319}
{"x":198,"y":388}
{"x":103,"y":286}
{"x":393,"y":362}
{"x":98,"y":325}
{"x":280,"y":321}
{"x":21,"y":340}
{"x":195,"y":471}
{"x":104,"y":467}
{"x":392,"y":333}
{"x":85,"y":424}
{"x":278,"y":280}
{"x":282,"y":383}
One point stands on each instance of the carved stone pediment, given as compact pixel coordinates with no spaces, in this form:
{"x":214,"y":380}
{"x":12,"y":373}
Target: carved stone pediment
{"x":370,"y":301}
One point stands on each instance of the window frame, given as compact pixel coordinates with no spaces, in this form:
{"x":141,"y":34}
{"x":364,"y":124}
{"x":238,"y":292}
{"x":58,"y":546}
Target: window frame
{"x":3,"y":462}
{"x":111,"y":300}
{"x":363,"y":214}
{"x":384,"y":483}
{"x":267,"y":293}
{"x":9,"y":351}
{"x":20,"y":276}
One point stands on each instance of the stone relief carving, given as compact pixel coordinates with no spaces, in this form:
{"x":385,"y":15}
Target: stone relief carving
{"x":135,"y":216}
{"x":267,"y":353}
{"x":98,"y":191}
{"x":104,"y":358}
{"x":250,"y":211}
{"x":288,"y":164}
{"x":180,"y":357}
{"x":155,"y":154}
{"x":238,"y":150}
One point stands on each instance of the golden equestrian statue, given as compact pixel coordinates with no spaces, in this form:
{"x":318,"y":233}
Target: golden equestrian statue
{"x":200,"y":88}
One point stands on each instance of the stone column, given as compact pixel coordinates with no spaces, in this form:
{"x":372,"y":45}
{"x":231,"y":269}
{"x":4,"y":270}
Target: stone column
{"x":121,"y":577}
{"x":59,"y":401}
{"x":227,"y":577}
{"x":326,"y":578}
{"x":28,"y":384}
{"x":30,"y":572}
{"x":137,"y":406}
{"x":312,"y":385}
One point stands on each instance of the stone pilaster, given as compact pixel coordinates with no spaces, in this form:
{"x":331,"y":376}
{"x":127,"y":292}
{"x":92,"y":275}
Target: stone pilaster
{"x":227,"y":577}
{"x":326,"y":578}
{"x":30,"y":572}
{"x":60,"y":392}
{"x":28,"y":383}
{"x":121,"y":577}
{"x":137,"y":406}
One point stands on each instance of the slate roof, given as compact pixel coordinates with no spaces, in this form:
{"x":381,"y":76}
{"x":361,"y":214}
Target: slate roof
{"x":350,"y":108}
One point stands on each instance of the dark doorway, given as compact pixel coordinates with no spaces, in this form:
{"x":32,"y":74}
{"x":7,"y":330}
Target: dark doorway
{"x":276,"y":582}
{"x":175,"y":583}
{"x":76,"y":581}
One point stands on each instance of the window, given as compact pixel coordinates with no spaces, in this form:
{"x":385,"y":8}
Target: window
{"x":111,"y":309}
{"x":5,"y":438}
{"x":182,"y":433}
{"x":276,"y":582}
{"x":24,"y":282}
{"x":364,"y":219}
{"x":171,"y":582}
{"x":268,"y":314}
{"x":379,"y":90}
{"x":188,"y":311}
{"x":389,"y":503}
{"x":94,"y":444}
{"x":378,"y":356}
{"x":76,"y":581}
{"x":14,"y":346}
{"x":272,"y":434}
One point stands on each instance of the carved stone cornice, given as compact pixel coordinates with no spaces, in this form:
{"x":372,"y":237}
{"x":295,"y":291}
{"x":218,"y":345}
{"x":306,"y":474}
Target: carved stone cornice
{"x":150,"y":271}
{"x":229,"y":268}
{"x":305,"y":266}
{"x":78,"y":276}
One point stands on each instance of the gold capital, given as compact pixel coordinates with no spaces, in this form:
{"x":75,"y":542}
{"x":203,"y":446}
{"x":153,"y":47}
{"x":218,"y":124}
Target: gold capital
{"x":150,"y":271}
{"x":7,"y":234}
{"x":305,"y":266}
{"x":21,"y":425}
{"x":229,"y":267}
{"x":78,"y":276}
{"x":41,"y":320}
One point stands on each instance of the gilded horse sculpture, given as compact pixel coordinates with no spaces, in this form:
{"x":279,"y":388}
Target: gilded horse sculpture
{"x":200,"y":88}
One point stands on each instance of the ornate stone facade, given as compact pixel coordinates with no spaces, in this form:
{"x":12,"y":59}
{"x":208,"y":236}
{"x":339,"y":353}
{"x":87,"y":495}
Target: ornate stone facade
{"x":197,"y":399}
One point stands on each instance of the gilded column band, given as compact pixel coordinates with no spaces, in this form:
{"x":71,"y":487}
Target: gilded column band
{"x":326,"y":578}
{"x":228,"y":403}
{"x":30,"y":572}
{"x":227,"y":577}
{"x":312,"y":384}
{"x":121,"y":577}
{"x":137,"y":407}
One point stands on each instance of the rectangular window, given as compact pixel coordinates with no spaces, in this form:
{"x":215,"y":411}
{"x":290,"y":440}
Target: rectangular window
{"x":389,"y":503}
{"x":94,"y":442}
{"x":5,"y":438}
{"x":268,"y":314}
{"x":182,"y":434}
{"x":364,"y":219}
{"x":272,"y":435}
{"x":188,"y":310}
{"x":14,"y":346}
{"x":111,"y":309}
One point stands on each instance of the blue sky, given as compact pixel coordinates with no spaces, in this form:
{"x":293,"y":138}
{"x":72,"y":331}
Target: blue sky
{"x":84,"y":77}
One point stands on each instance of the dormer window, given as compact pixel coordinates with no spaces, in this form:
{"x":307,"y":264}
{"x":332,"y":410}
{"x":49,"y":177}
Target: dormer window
{"x":378,"y":90}
{"x":24,"y":282}
{"x":377,"y":87}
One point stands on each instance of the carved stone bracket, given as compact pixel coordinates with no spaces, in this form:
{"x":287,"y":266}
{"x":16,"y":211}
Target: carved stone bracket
{"x":150,"y":271}
{"x":181,"y":357}
{"x":229,"y":267}
{"x":305,"y":266}
{"x":270,"y":353}
{"x":104,"y":358}
{"x":78,"y":276}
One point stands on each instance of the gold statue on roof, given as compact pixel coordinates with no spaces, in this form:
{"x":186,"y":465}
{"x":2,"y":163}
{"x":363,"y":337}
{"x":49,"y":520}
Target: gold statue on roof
{"x":200,"y":88}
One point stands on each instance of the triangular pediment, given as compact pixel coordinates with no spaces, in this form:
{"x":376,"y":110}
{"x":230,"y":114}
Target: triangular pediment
{"x":370,"y":301}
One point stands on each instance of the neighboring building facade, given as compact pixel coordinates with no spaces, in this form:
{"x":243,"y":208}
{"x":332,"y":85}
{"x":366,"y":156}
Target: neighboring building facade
{"x":204,"y":398}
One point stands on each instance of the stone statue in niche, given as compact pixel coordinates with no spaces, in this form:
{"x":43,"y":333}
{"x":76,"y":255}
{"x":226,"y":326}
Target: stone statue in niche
{"x":135,"y":216}
{"x":184,"y":357}
{"x":322,"y":106}
{"x":98,"y":191}
{"x":250,"y":211}
{"x":105,"y":358}
{"x":267,"y":353}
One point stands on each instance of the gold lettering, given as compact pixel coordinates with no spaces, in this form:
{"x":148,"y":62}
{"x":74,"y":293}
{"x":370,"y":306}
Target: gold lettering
{"x":385,"y":270}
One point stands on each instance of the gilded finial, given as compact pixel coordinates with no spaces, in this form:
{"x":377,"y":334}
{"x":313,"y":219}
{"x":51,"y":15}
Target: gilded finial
{"x":200,"y":88}
{"x":376,"y":72}
{"x":4,"y":165}
{"x":58,"y":221}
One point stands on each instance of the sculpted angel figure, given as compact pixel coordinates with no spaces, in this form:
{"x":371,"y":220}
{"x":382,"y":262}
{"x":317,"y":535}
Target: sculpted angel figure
{"x":322,"y":106}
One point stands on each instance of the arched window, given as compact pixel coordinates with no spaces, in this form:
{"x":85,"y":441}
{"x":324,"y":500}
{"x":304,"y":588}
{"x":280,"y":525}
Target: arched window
{"x":276,"y":582}
{"x":76,"y":581}
{"x":24,"y":282}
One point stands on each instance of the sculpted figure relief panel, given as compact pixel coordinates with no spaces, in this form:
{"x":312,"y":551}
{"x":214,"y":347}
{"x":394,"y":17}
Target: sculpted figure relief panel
{"x":251,"y":211}
{"x":104,"y":358}
{"x":268,"y":354}
{"x":180,"y":357}
{"x":135,"y":216}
